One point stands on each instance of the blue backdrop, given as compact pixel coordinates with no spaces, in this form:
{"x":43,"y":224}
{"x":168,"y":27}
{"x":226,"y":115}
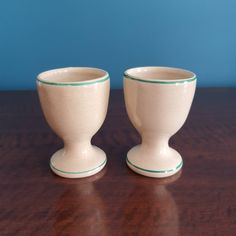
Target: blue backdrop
{"x":199,"y":35}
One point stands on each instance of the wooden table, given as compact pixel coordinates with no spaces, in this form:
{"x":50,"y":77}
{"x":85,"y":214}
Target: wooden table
{"x":199,"y":201}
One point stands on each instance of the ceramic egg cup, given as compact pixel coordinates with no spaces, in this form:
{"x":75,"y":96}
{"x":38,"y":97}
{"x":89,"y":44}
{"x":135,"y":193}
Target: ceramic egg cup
{"x":74,"y":101}
{"x":158,"y":100}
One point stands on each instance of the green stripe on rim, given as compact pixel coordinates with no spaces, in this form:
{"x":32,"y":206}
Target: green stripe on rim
{"x":75,"y":172}
{"x":160,"y":81}
{"x":74,"y":84}
{"x":156,"y":171}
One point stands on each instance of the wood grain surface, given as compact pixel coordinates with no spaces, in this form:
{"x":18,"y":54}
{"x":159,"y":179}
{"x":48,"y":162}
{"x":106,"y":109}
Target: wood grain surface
{"x":201,"y":200}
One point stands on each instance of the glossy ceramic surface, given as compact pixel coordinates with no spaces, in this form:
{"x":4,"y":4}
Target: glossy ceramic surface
{"x":158,"y":100}
{"x":74,"y":102}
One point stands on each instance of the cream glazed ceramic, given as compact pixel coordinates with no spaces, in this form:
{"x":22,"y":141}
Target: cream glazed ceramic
{"x":74,"y":101}
{"x":158,"y":100}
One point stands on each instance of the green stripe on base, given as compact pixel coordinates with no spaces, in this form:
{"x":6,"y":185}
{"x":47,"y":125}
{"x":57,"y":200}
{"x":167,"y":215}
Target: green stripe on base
{"x":156,"y":171}
{"x":79,"y":172}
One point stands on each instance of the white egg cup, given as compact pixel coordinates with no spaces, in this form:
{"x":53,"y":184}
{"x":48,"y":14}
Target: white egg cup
{"x":158,"y":100}
{"x":74,"y":101}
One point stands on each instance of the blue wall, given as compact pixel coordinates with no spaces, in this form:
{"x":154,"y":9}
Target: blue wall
{"x":199,"y":35}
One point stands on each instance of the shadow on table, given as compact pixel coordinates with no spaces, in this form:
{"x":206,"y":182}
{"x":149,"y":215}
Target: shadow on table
{"x":151,"y":209}
{"x":80,"y":209}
